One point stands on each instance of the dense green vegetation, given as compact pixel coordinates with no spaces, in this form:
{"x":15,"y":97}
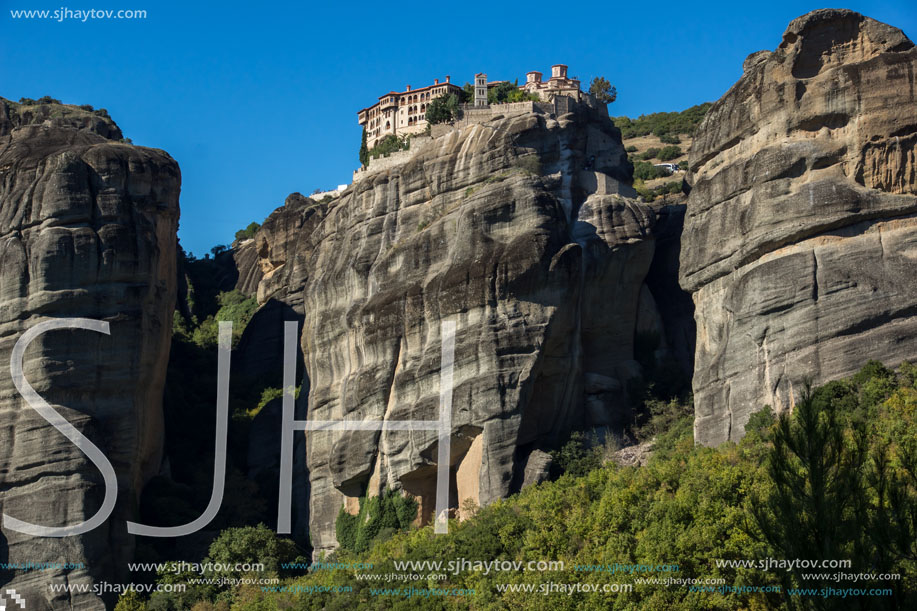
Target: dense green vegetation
{"x":671,"y":187}
{"x":389,"y":144}
{"x":668,"y":153}
{"x":647,"y":171}
{"x":663,"y":123}
{"x":248,"y":232}
{"x":364,"y":149}
{"x":507,"y":92}
{"x":835,"y":479}
{"x":443,"y":109}
{"x":378,"y":519}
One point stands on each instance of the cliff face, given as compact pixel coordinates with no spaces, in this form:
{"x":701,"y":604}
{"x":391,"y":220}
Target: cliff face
{"x":87,"y":229}
{"x":799,"y":240}
{"x":516,"y":229}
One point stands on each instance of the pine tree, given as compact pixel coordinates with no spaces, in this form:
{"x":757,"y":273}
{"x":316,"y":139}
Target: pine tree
{"x":816,"y":508}
{"x":364,"y":150}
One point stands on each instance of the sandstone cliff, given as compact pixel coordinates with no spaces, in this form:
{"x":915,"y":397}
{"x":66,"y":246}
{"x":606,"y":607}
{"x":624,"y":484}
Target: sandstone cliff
{"x":87,"y":229}
{"x":521,"y":229}
{"x":801,"y":234}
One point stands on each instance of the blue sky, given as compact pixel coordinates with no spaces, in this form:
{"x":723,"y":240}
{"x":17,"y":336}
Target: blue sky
{"x":257,"y":100}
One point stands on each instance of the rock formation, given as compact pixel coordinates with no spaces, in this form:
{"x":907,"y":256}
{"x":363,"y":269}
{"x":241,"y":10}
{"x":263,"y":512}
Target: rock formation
{"x":800,"y":238}
{"x":519,"y":229}
{"x":87,"y":229}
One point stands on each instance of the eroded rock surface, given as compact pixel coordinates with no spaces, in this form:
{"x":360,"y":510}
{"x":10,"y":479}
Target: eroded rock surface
{"x":516,"y":229}
{"x":800,"y":241}
{"x":87,"y":229}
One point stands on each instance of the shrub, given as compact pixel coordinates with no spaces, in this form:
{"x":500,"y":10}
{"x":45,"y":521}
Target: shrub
{"x":253,"y":545}
{"x":669,"y":139}
{"x":130,"y":601}
{"x":389,"y":144}
{"x":648,"y":153}
{"x":631,"y":149}
{"x":249,"y":232}
{"x":27,"y":101}
{"x":87,"y":107}
{"x":667,"y":153}
{"x":663,"y":123}
{"x":48,"y":100}
{"x":531,"y":164}
{"x":576,"y":457}
{"x":378,"y":519}
{"x":236,"y":307}
{"x":647,"y":171}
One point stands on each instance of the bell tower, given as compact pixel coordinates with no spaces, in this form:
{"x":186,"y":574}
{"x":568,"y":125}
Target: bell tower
{"x":480,"y":89}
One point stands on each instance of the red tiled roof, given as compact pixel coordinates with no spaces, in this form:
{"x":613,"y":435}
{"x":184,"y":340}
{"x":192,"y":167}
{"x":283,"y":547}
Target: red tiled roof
{"x":411,"y":92}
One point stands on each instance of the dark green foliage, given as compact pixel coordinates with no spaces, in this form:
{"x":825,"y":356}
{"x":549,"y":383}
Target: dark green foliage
{"x":234,"y":306}
{"x":661,"y":396}
{"x":249,"y":232}
{"x":27,"y":101}
{"x":669,"y":139}
{"x":378,"y":519}
{"x":253,"y":544}
{"x":813,"y":511}
{"x":690,"y":505}
{"x":467,"y":95}
{"x":389,"y":144}
{"x":48,"y":100}
{"x":506,"y":93}
{"x":661,"y":123}
{"x":87,"y":107}
{"x":670,"y":188}
{"x":443,"y":109}
{"x":647,"y":171}
{"x":843,"y":470}
{"x":576,"y":457}
{"x":603,"y":90}
{"x":667,"y":153}
{"x":364,"y":150}
{"x":649,"y":153}
{"x":631,"y":149}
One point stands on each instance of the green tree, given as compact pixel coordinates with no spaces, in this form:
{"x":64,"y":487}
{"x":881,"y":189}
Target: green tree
{"x":602,"y":90}
{"x":364,"y":150}
{"x":467,"y":94}
{"x":500,"y":94}
{"x":378,"y":519}
{"x":253,"y":545}
{"x":647,"y":171}
{"x":667,"y":153}
{"x":815,"y":509}
{"x":130,"y":601}
{"x":442,"y":109}
{"x":248,"y":232}
{"x":389,"y":144}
